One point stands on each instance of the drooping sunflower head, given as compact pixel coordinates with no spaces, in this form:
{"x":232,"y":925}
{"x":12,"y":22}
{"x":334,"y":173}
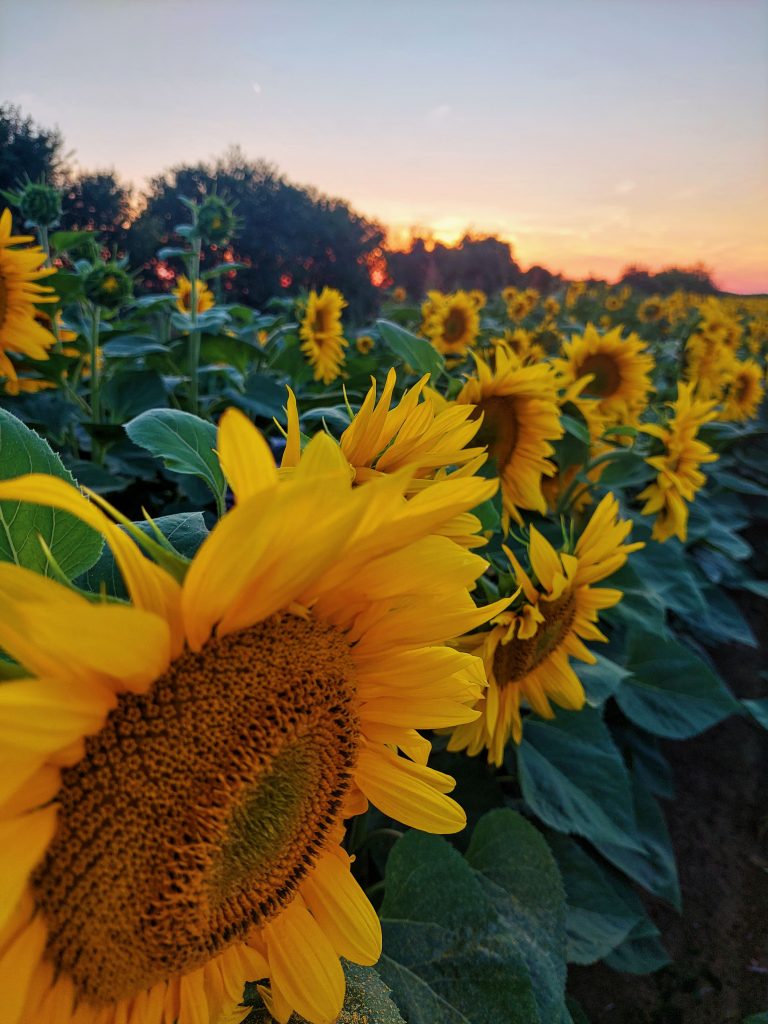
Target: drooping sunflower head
{"x":21,"y":271}
{"x":322,"y":340}
{"x":183,"y":293}
{"x":528,"y":648}
{"x":677,"y":465}
{"x":745,"y":392}
{"x":520,"y":419}
{"x":177,"y":769}
{"x":451,"y":322}
{"x":619,"y":369}
{"x":422,"y":434}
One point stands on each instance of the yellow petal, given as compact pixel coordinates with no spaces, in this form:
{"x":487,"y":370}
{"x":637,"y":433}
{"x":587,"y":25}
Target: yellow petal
{"x":342,"y":910}
{"x":245,"y":456}
{"x":304,"y":965}
{"x":17,"y":967}
{"x":408,"y":792}
{"x":23,"y":841}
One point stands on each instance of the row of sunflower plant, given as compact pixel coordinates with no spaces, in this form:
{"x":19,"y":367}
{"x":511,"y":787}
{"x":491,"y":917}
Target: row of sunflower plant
{"x":274,"y":586}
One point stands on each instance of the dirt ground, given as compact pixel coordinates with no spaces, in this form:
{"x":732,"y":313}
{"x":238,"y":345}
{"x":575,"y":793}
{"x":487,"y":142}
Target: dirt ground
{"x":719,"y":828}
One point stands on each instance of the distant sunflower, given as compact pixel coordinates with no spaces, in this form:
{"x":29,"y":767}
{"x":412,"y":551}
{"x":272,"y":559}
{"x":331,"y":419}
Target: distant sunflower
{"x":522,"y":343}
{"x":527,"y":651}
{"x":520,"y":419}
{"x":709,"y":365}
{"x":176,"y":771}
{"x":321,"y":334}
{"x":364,"y":343}
{"x":650,"y":310}
{"x":183,"y":293}
{"x":451,"y":322}
{"x":614,"y":302}
{"x":678,"y":474}
{"x":21,"y":270}
{"x":620,"y":369}
{"x":745,"y":392}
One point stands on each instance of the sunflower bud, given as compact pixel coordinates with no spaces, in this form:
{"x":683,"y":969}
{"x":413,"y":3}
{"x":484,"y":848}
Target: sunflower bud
{"x":215,"y":220}
{"x":108,"y":285}
{"x":40,"y":204}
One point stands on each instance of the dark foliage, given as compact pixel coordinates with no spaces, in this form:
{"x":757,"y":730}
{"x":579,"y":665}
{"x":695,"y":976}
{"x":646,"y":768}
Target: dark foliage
{"x":28,"y":151}
{"x":290,"y":238}
{"x":696,"y":279}
{"x":97,"y":201}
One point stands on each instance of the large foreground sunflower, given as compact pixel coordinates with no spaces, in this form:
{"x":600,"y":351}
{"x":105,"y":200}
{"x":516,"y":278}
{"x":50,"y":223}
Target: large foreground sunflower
{"x":176,"y":771}
{"x":21,"y":270}
{"x":678,"y":475}
{"x":527,"y":651}
{"x":620,"y":369}
{"x":321,"y":333}
{"x":451,"y":322}
{"x":520,"y":417}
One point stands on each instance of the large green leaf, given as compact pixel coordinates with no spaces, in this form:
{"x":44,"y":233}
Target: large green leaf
{"x":574,"y":779}
{"x":597,"y":918}
{"x":184,"y":442}
{"x":476,"y":940}
{"x":671,"y":692}
{"x":417,"y":352}
{"x":74,"y":546}
{"x":653,"y":866}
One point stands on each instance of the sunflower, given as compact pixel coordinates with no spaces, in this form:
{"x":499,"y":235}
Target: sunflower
{"x":21,"y":270}
{"x":522,"y":343}
{"x":451,"y":322}
{"x":650,"y":310}
{"x":183,"y":293}
{"x":709,"y":365}
{"x":520,"y":417}
{"x":620,"y":369}
{"x":422,"y":433}
{"x":321,"y":336}
{"x":364,"y":343}
{"x":613,"y":302}
{"x":526,"y":652}
{"x":519,"y":304}
{"x":551,"y":306}
{"x":176,"y":771}
{"x":678,"y":474}
{"x":27,"y":385}
{"x":745,"y":392}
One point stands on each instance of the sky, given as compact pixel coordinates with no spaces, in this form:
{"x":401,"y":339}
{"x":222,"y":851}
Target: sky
{"x":589,"y":133}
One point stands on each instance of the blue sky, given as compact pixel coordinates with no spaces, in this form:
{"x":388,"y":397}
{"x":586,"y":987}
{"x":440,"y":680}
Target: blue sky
{"x":589,"y":132}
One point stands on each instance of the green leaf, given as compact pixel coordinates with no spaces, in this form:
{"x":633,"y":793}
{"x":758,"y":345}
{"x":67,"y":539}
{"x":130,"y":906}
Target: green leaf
{"x":671,"y":692}
{"x":184,"y":442}
{"x":130,"y":393}
{"x":74,"y":546}
{"x":131,"y":346}
{"x":572,"y":777}
{"x":417,"y":352}
{"x":654,"y":866}
{"x":477,"y":940}
{"x":578,"y":428}
{"x":525,"y":887}
{"x":597,"y":918}
{"x":667,"y":572}
{"x":641,"y":953}
{"x":185,"y":530}
{"x":602,"y":679}
{"x":264,"y":397}
{"x":640,"y":605}
{"x":758,"y":709}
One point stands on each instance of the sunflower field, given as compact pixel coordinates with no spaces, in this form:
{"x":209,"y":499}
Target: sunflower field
{"x":341,"y":662}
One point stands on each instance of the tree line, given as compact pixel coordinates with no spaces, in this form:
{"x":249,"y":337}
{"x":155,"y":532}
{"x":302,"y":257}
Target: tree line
{"x":289,"y":237}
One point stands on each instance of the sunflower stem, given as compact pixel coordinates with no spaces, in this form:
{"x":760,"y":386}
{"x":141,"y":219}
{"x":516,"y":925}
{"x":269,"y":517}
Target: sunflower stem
{"x":194,"y":336}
